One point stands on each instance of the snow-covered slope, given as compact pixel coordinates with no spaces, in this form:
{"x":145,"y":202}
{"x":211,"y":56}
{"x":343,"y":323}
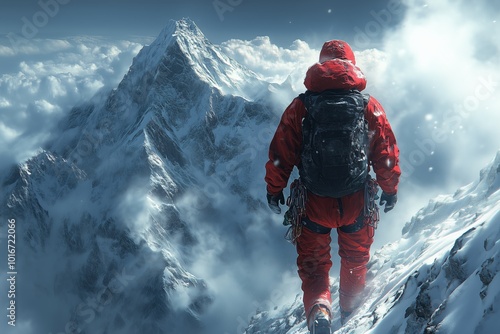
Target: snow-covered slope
{"x":441,"y":277}
{"x":103,"y":246}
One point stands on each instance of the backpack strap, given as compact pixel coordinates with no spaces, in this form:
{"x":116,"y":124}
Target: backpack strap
{"x":306,"y":101}
{"x":303,"y":98}
{"x":366,"y":99}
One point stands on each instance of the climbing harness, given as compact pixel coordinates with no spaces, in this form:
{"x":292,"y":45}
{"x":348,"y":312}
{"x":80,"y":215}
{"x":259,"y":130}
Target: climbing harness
{"x":297,"y":210}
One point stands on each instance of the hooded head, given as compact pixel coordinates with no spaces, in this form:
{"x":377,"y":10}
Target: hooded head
{"x":336,"y":49}
{"x":336,"y":69}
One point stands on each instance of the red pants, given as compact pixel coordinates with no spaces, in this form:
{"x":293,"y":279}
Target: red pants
{"x":314,"y":261}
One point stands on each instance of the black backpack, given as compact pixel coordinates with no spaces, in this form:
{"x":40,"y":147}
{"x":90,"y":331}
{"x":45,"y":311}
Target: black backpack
{"x":334,"y":157}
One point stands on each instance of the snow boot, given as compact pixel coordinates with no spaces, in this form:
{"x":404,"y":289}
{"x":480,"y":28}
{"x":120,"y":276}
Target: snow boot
{"x":320,"y":320}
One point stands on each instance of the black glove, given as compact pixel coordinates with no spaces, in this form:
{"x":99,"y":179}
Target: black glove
{"x":388,"y":200}
{"x":273,"y":200}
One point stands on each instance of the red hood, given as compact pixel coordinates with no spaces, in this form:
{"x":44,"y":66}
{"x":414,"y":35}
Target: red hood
{"x":334,"y":74}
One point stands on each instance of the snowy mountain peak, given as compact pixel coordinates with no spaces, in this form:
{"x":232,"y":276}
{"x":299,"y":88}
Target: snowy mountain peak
{"x":181,"y":30}
{"x":104,"y":202}
{"x":184,"y":25}
{"x":181,"y":45}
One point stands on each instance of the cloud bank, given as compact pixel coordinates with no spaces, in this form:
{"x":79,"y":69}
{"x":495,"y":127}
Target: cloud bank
{"x":41,"y":81}
{"x":271,"y":62}
{"x":440,"y":88}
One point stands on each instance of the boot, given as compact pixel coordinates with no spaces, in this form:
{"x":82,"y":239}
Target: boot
{"x":320,"y":320}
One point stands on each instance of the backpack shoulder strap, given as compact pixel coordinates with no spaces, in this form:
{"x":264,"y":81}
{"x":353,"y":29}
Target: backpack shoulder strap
{"x":366,"y":99}
{"x":303,"y":98}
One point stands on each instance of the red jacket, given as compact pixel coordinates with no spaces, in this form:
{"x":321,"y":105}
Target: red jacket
{"x":285,"y":148}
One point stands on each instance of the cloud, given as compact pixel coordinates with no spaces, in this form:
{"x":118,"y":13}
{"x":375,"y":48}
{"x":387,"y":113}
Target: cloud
{"x":277,"y":64}
{"x":441,"y":88}
{"x":241,"y":255}
{"x":271,"y":62}
{"x":48,"y":79}
{"x":35,"y":47}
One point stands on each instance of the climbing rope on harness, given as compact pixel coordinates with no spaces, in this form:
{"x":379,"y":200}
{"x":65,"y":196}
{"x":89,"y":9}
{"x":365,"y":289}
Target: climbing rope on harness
{"x":371,"y":210}
{"x":297,"y":209}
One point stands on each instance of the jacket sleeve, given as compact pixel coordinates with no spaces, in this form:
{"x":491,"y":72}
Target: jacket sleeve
{"x":284,"y":150}
{"x":384,"y":151}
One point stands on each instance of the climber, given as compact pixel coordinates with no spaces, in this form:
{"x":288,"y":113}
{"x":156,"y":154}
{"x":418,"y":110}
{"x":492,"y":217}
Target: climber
{"x":334,"y":135}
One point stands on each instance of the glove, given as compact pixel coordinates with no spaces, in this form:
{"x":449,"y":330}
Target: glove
{"x":388,"y":200}
{"x":273,"y":200}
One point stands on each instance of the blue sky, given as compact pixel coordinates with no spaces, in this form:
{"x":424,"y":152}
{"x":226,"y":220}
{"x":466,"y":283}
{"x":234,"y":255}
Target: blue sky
{"x":220,"y":20}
